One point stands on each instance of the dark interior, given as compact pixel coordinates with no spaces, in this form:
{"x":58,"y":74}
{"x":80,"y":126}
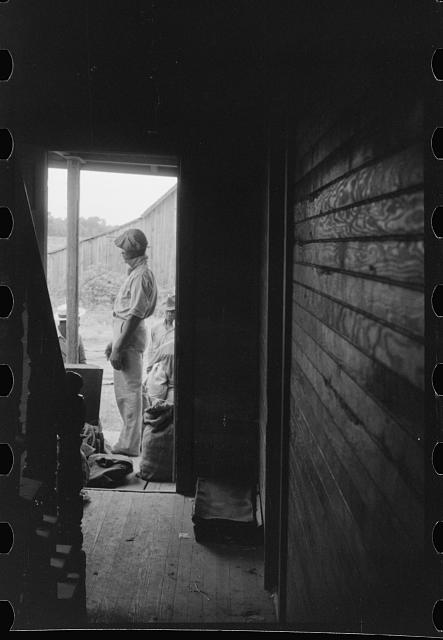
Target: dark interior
{"x":298,"y":129}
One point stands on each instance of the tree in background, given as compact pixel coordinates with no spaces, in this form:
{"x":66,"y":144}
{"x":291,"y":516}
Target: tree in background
{"x":99,"y":285}
{"x":56,"y":226}
{"x":88,"y":227}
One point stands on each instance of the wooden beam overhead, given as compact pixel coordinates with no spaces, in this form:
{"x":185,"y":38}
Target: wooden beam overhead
{"x":119,"y":163}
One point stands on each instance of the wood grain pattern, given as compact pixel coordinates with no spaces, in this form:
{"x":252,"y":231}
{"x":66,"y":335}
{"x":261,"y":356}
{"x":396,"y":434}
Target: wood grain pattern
{"x":352,"y":119}
{"x":183,"y":575}
{"x":383,"y":138}
{"x":355,"y":122}
{"x":156,"y":569}
{"x":330,"y":470}
{"x":318,"y":472}
{"x":222,"y":593}
{"x":315,"y":501}
{"x":323,"y":470}
{"x":331,"y":486}
{"x":385,"y":457}
{"x":92,"y":525}
{"x":356,"y":473}
{"x":198,"y":596}
{"x":372,"y":432}
{"x":162,"y":487}
{"x":399,"y":215}
{"x":400,"y":307}
{"x":397,"y":261}
{"x":353,"y":408}
{"x":396,"y":351}
{"x":100,"y":559}
{"x":400,"y":171}
{"x":394,"y":394}
{"x":317,"y":122}
{"x":134,"y":539}
{"x":140,"y":572}
{"x":166,"y":605}
{"x":149,"y":557}
{"x":300,"y":577}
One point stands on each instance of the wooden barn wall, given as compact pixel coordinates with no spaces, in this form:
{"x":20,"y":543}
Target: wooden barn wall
{"x":355,"y":536}
{"x":159,"y":225}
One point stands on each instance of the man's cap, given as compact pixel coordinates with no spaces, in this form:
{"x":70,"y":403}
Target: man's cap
{"x":170,"y":303}
{"x":61,"y":312}
{"x":132,"y":240}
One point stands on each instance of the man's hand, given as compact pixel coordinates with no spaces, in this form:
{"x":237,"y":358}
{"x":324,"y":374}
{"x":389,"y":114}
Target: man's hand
{"x":116,"y":358}
{"x":118,"y":347}
{"x":108,"y":350}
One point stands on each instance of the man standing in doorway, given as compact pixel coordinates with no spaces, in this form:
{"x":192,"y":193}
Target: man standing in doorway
{"x":135,"y":301}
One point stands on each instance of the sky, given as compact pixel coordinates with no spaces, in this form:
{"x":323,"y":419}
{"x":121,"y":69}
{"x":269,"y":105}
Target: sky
{"x":115,"y":197}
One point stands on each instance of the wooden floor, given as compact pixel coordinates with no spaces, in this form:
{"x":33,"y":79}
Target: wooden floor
{"x":144,"y":568}
{"x":132,"y":482}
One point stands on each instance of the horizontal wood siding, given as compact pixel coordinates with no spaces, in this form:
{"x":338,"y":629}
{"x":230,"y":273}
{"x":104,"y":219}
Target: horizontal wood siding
{"x":355,"y":520}
{"x":159,"y":225}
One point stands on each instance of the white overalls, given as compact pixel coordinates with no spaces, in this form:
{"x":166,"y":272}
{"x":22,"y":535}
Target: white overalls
{"x":137,"y":296}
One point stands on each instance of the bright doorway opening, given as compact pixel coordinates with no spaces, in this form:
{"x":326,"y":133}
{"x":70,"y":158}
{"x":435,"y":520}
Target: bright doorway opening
{"x":113,"y":197}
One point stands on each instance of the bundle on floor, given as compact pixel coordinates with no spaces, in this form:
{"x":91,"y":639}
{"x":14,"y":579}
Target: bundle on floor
{"x":108,"y":469}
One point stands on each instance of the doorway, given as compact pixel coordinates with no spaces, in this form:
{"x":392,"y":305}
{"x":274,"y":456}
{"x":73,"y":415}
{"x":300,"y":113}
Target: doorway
{"x":115,"y":193}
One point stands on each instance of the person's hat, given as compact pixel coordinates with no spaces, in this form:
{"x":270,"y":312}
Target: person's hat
{"x":61,"y":312}
{"x":170,"y":303}
{"x":132,"y":240}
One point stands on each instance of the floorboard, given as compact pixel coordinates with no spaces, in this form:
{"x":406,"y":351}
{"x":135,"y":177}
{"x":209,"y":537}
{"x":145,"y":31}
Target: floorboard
{"x":148,"y":580}
{"x":100,"y":579}
{"x":166,"y":603}
{"x":144,"y":568}
{"x":132,"y":482}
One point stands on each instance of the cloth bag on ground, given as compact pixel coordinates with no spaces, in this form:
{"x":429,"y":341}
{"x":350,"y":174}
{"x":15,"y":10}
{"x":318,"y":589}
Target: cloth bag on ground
{"x":157,"y":443}
{"x":92,"y":436}
{"x":108,"y":469}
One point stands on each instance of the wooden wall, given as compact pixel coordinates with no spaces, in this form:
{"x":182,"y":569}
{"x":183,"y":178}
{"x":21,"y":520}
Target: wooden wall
{"x":221,"y":335}
{"x":154,"y":95}
{"x":158,"y":223}
{"x":263,"y":355}
{"x":355,"y":508}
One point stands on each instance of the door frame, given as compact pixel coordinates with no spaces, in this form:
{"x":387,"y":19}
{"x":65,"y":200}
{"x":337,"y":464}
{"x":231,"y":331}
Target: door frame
{"x":279,"y":314}
{"x":170,"y":165}
{"x":184,"y":357}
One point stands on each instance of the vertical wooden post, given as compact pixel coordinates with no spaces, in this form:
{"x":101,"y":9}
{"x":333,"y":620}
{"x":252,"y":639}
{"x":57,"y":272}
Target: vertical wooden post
{"x":72,"y":260}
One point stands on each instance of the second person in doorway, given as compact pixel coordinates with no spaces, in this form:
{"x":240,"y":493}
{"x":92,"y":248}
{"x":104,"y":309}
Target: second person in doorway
{"x":135,"y":301}
{"x":161,"y":332}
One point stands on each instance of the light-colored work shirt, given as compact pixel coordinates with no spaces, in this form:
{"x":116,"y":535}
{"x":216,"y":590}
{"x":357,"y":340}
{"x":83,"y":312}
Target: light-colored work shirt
{"x":160,"y":380}
{"x":138,"y":294}
{"x":64,"y":348}
{"x":158,"y":335}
